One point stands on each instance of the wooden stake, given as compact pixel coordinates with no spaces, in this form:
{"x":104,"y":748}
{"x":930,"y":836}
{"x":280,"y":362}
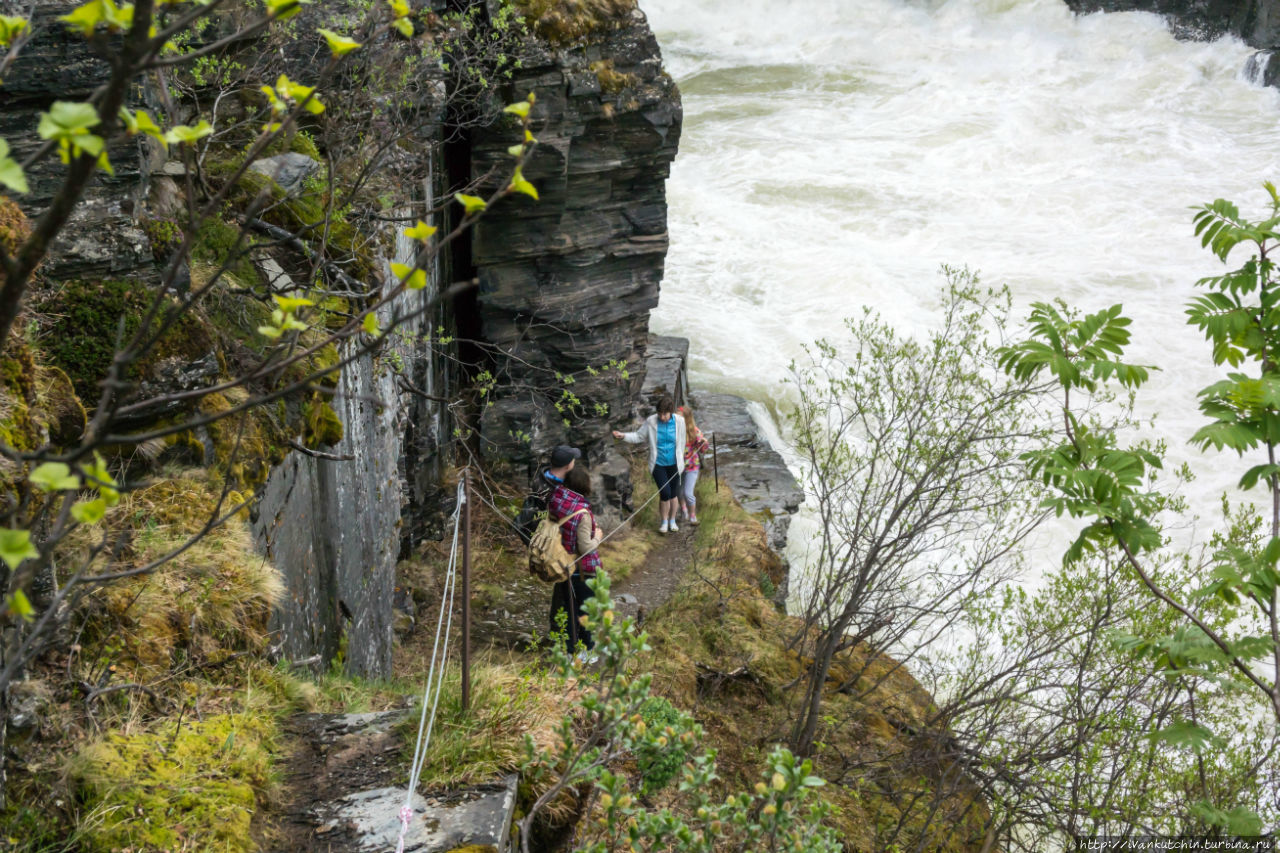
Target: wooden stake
{"x":715,"y":461}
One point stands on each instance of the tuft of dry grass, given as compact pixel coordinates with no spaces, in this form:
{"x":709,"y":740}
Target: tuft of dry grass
{"x":212,"y":597}
{"x":565,"y":22}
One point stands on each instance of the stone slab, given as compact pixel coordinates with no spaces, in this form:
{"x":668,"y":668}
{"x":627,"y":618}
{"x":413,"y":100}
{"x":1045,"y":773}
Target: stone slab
{"x":477,"y":818}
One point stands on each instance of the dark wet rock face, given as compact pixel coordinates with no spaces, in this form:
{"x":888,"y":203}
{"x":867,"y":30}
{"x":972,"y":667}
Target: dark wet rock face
{"x":567,"y":282}
{"x":1255,"y":21}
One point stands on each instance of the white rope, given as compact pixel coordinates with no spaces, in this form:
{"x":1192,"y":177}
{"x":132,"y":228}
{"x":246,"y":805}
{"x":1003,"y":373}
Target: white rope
{"x":433,"y":675}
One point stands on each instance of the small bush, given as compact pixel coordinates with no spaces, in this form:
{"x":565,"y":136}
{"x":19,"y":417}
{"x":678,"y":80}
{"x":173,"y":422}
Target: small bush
{"x":659,"y":765}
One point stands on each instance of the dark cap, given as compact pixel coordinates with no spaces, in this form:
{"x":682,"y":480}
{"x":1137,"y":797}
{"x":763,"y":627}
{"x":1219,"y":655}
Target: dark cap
{"x":563,"y":455}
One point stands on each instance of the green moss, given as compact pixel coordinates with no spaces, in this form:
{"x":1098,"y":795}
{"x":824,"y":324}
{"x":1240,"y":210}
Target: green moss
{"x":299,"y":142}
{"x":18,"y":428}
{"x":189,"y":788}
{"x":81,"y":340}
{"x":216,"y":242}
{"x":322,"y":425}
{"x":165,"y":237}
{"x":305,"y":215}
{"x":244,"y":446}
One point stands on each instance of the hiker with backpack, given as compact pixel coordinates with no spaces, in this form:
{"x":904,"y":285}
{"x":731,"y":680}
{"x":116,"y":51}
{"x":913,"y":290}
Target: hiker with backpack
{"x":665,"y":433}
{"x":545,"y":480}
{"x":557,"y":524}
{"x":580,"y":537}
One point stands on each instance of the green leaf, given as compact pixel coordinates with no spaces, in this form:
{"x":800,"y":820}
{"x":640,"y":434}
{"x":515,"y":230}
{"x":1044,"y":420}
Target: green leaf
{"x":96,"y":474}
{"x":270,"y":332}
{"x":11,"y":174}
{"x":404,"y":27}
{"x":67,"y":118}
{"x":292,"y":303}
{"x":1192,"y":736}
{"x":413,"y":279}
{"x":182,"y":134}
{"x":370,"y":324}
{"x":85,"y":19}
{"x":54,"y":477}
{"x":470,"y":203}
{"x":339,"y":45}
{"x":15,"y":546}
{"x":280,"y":10}
{"x":18,"y":605}
{"x":10,"y":28}
{"x":421,"y":231}
{"x":521,"y":185}
{"x":89,"y":512}
{"x":519,"y":108}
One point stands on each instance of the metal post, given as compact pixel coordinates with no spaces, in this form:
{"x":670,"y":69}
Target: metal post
{"x":715,"y":461}
{"x":466,"y":589}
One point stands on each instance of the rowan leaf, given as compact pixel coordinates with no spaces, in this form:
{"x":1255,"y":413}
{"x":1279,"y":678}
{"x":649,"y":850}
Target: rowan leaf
{"x":89,"y":512}
{"x":11,"y":26}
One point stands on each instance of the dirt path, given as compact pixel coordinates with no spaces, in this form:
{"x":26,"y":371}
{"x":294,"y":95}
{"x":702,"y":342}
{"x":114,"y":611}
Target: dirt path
{"x":334,"y":755}
{"x":649,"y":587}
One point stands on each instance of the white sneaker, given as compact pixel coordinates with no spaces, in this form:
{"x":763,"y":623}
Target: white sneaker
{"x":664,"y":528}
{"x":586,"y":658}
{"x":675,"y":528}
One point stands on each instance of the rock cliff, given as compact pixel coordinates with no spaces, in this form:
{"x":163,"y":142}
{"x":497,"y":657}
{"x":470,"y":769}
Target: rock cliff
{"x":567,"y":282}
{"x":346,"y":480}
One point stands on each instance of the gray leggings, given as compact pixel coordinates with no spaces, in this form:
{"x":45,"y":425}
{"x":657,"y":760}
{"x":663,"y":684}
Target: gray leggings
{"x":690,"y":480}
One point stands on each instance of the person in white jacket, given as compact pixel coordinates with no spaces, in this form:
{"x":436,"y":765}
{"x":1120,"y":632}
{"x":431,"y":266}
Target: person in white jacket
{"x":665,"y":433}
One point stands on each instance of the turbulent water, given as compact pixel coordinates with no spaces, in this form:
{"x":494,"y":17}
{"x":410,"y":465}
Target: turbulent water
{"x":837,"y":152}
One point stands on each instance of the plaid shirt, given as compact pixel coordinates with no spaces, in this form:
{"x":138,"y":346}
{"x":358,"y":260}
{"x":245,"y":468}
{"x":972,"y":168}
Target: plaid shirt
{"x":696,"y":444}
{"x":562,"y":502}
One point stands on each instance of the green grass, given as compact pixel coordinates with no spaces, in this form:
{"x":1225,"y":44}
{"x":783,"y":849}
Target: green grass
{"x":479,"y":745}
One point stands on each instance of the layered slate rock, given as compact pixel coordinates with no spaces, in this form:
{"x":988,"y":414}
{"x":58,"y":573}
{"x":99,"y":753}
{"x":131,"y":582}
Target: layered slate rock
{"x":567,"y":282}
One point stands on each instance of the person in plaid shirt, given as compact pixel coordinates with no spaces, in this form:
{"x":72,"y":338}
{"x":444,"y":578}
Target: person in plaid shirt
{"x":695,"y":445}
{"x":579,"y":535}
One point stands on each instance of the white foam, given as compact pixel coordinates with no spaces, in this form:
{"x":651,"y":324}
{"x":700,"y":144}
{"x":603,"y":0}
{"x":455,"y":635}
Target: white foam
{"x":836,"y":152}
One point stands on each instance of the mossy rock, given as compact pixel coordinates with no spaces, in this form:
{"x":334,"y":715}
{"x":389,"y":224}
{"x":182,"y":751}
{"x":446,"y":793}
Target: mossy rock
{"x":322,"y":425}
{"x":195,"y":787}
{"x":81,"y":339}
{"x":245,"y":446}
{"x":14,"y":228}
{"x":219,"y":244}
{"x":566,"y":22}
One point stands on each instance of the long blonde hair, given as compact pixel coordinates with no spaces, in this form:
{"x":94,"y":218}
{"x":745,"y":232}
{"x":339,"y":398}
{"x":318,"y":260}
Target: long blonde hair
{"x":689,"y":424}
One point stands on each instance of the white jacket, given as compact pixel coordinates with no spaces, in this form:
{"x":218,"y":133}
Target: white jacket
{"x":649,"y":430}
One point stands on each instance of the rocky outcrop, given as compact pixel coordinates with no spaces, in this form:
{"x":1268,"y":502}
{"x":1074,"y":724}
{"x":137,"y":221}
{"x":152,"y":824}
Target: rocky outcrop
{"x":1255,"y":21}
{"x":753,"y":470}
{"x":567,"y":282}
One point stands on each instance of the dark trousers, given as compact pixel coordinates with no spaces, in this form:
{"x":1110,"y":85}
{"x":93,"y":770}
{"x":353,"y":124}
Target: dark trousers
{"x":575,"y":589}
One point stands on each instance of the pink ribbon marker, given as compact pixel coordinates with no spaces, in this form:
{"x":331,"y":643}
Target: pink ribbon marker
{"x":406,"y":815}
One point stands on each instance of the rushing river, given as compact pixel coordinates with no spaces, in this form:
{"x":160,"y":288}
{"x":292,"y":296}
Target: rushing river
{"x":836,"y":152}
